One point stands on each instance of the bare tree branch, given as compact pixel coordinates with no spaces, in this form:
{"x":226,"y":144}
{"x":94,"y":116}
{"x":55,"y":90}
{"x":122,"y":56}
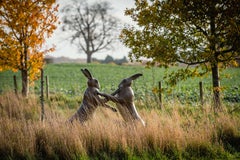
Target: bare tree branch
{"x":92,"y":26}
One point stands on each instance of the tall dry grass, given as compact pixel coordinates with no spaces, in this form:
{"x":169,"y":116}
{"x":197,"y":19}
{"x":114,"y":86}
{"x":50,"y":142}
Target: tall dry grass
{"x":176,"y":131}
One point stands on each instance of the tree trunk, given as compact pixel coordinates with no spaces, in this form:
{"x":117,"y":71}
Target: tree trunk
{"x":25,"y":83}
{"x":89,"y":58}
{"x":216,"y":87}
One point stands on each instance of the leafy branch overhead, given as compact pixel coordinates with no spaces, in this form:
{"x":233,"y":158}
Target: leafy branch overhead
{"x":180,"y":31}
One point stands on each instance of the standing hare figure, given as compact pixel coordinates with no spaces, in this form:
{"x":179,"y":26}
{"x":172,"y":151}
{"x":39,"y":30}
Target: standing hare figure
{"x":124,"y":98}
{"x":91,"y":100}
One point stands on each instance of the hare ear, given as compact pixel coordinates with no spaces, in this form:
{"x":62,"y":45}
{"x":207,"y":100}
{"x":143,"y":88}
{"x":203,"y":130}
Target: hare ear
{"x":135,"y":76}
{"x":86,"y":73}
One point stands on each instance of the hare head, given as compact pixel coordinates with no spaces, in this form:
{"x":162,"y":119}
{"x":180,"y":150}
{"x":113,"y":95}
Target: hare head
{"x":92,"y":82}
{"x":128,"y":81}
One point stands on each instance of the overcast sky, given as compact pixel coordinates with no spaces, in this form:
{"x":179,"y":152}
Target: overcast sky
{"x":64,"y":48}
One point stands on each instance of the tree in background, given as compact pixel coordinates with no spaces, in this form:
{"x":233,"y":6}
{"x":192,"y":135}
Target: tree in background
{"x":204,"y":34}
{"x":24,"y":26}
{"x":93,"y":28}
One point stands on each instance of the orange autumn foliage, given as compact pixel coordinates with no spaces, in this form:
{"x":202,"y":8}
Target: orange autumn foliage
{"x":24,"y":27}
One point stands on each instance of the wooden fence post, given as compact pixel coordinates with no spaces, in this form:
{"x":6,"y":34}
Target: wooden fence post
{"x":47,"y":87}
{"x":15,"y":84}
{"x":42,"y":96}
{"x":201,"y":92}
{"x":160,"y":94}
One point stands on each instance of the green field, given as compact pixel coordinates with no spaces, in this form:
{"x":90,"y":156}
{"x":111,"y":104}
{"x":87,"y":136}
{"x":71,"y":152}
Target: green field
{"x":67,"y":79}
{"x":180,"y":130}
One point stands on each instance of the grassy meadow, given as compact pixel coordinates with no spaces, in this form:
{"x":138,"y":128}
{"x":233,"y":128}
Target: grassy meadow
{"x":181,"y":130}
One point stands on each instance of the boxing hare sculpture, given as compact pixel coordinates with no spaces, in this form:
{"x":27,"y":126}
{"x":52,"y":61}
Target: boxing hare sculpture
{"x":91,"y":100}
{"x":124,"y":98}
